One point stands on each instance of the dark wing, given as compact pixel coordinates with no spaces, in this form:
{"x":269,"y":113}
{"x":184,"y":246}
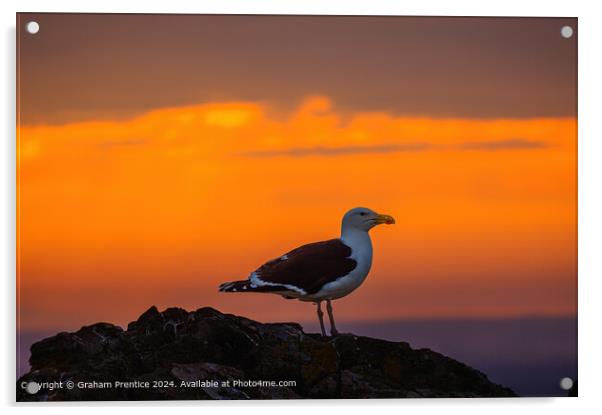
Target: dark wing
{"x":310,"y":266}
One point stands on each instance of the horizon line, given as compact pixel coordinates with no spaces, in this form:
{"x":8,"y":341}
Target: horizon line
{"x":360,"y":321}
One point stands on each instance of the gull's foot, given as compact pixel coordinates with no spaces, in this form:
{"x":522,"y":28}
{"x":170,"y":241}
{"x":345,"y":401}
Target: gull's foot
{"x":334,"y":332}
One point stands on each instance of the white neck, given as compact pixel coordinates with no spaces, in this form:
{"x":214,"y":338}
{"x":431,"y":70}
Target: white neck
{"x":356,"y":238}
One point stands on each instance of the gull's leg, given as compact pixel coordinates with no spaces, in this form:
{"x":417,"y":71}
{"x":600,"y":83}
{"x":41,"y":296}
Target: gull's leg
{"x":333,"y":328}
{"x":321,"y":317}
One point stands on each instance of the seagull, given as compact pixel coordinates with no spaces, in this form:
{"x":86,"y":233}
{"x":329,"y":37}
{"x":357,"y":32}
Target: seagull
{"x":320,"y":271}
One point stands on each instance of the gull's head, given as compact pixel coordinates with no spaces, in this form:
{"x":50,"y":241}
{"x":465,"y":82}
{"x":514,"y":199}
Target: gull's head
{"x":364,"y":219}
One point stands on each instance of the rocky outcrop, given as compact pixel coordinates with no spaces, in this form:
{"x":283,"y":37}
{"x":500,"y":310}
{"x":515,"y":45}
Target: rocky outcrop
{"x":205,"y":354}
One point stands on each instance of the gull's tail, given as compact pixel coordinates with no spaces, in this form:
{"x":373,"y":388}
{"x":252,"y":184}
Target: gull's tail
{"x":235,"y":286}
{"x":248,"y":286}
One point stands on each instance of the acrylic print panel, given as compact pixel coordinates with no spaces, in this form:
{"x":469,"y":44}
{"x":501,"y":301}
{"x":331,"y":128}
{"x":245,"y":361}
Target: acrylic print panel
{"x":286,"y":207}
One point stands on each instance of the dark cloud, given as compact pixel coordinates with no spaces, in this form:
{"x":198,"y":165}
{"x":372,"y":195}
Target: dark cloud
{"x":341,"y":151}
{"x":509,"y":144}
{"x":117,"y":66}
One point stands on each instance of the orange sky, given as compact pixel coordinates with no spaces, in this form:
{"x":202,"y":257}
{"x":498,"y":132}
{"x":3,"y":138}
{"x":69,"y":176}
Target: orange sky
{"x":115,"y":216}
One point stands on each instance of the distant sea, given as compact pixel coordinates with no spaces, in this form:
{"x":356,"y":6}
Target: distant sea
{"x":529,"y":355}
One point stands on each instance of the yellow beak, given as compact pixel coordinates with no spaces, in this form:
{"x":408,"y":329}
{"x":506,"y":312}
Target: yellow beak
{"x":385,"y":219}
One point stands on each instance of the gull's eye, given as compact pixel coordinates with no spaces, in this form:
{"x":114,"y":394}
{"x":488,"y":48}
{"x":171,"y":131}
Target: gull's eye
{"x":363,"y":213}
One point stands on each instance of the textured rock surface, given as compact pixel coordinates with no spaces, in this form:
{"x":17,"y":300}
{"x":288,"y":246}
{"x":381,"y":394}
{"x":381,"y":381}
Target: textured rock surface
{"x":191,"y":355}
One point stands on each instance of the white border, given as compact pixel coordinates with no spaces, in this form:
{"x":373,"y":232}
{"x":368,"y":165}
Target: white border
{"x":590,"y":201}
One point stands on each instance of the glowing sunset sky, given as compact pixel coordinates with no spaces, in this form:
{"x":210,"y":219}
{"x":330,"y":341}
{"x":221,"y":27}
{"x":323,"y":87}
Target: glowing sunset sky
{"x":160,"y":156}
